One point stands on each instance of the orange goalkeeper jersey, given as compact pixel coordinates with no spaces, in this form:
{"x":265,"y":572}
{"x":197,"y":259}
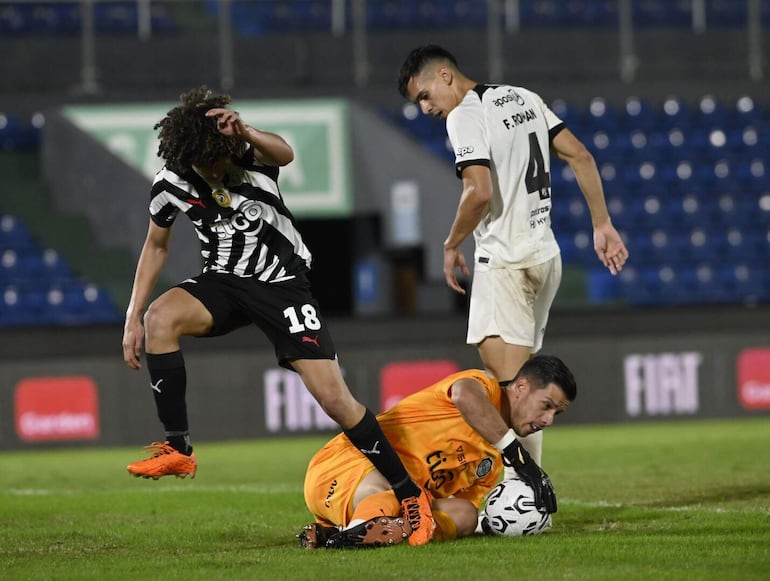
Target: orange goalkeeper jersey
{"x":439,"y":449}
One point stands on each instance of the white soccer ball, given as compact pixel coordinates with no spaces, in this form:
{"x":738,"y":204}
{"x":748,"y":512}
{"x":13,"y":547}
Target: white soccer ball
{"x":510,"y":511}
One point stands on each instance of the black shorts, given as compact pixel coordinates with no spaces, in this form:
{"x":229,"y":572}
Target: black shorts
{"x":285,"y":311}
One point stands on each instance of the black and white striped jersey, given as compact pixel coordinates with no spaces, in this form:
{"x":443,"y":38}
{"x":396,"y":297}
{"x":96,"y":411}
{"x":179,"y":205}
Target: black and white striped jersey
{"x":243,"y":225}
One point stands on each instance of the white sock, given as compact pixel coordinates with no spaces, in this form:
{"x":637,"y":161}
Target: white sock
{"x":355,"y":522}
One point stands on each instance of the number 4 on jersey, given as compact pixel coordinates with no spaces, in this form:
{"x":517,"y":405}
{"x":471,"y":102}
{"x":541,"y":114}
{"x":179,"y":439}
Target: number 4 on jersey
{"x":537,"y":178}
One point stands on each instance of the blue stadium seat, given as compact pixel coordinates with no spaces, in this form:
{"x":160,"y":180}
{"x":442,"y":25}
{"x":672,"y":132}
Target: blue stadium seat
{"x":10,"y":268}
{"x":639,"y":115}
{"x":705,"y":245}
{"x":543,"y":13}
{"x":725,"y":13}
{"x":14,"y":234}
{"x":622,"y":217}
{"x":748,"y":282}
{"x":737,"y":209}
{"x":661,"y":13}
{"x":653,"y":285}
{"x":602,"y":286}
{"x":64,"y":18}
{"x":18,"y":133}
{"x":710,"y":113}
{"x":602,"y":115}
{"x":14,"y":312}
{"x":745,"y":111}
{"x":743,"y":244}
{"x":568,"y":113}
{"x":76,"y":303}
{"x":389,"y":14}
{"x":673,"y":113}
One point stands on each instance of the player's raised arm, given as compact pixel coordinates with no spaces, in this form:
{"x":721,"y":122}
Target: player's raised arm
{"x":269,"y":148}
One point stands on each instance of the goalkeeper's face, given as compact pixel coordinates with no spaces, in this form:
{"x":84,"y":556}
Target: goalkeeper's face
{"x":533,"y":409}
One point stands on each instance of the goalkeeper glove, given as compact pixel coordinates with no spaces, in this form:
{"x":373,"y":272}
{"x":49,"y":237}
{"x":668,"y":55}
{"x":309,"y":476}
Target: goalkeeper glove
{"x":518,"y":458}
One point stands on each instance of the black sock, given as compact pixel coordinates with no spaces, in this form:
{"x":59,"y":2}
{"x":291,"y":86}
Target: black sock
{"x":169,"y":386}
{"x":368,"y":437}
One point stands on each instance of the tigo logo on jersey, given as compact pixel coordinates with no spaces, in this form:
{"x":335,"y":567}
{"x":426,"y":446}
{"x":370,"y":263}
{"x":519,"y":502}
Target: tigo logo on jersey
{"x":56,"y":408}
{"x":402,"y":378}
{"x":754,"y":378}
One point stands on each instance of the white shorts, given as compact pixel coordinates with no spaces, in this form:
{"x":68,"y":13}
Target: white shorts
{"x":513,"y":303}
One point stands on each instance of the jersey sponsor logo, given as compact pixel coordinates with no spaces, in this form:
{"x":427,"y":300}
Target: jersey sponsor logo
{"x":511,"y":97}
{"x":248,"y":218}
{"x":195,"y":202}
{"x":438,"y":475}
{"x":332,"y":488}
{"x":540,"y":216}
{"x":484,"y":467}
{"x":518,"y":118}
{"x":464,"y":150}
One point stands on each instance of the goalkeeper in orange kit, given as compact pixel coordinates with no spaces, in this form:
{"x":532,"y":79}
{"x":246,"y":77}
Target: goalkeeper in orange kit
{"x":455,"y":437}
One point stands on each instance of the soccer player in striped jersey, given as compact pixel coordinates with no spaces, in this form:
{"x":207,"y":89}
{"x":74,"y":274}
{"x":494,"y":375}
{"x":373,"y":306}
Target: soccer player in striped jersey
{"x":222,"y":174}
{"x":457,"y":437}
{"x":502,"y":136}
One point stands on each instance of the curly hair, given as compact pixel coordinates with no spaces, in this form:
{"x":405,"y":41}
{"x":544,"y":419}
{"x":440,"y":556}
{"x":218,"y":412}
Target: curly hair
{"x":188,"y":137}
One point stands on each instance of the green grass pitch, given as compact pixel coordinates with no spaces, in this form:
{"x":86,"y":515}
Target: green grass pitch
{"x":669,"y":500}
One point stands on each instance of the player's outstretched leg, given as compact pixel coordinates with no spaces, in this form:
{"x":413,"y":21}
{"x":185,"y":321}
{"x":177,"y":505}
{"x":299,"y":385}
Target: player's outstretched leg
{"x":380,"y":531}
{"x":315,"y":535}
{"x":164,"y":461}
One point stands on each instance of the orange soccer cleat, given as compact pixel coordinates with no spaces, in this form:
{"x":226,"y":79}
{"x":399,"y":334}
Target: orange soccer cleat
{"x":417,"y":511}
{"x":165,"y":461}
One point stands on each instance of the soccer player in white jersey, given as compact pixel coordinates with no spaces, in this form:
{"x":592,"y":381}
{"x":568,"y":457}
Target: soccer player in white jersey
{"x":222,"y":174}
{"x":502,"y":136}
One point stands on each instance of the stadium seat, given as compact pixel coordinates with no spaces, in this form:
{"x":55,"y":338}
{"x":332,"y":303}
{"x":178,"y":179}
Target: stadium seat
{"x":745,"y":111}
{"x":13,"y":311}
{"x":639,"y":115}
{"x":661,"y":13}
{"x":743,"y":244}
{"x":710,"y":113}
{"x":569,"y":114}
{"x":602,"y":286}
{"x":14,"y":234}
{"x":602,"y":115}
{"x":747,"y":282}
{"x":673,"y":114}
{"x":725,"y":13}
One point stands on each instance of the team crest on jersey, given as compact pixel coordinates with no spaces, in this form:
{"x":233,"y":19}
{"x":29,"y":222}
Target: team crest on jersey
{"x":222,"y":197}
{"x":484,"y":468}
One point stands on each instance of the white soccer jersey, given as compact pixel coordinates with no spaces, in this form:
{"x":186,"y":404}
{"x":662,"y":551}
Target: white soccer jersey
{"x":509,"y":129}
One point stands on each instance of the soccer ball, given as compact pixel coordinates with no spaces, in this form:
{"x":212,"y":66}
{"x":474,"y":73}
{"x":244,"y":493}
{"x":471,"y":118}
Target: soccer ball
{"x":510,"y":511}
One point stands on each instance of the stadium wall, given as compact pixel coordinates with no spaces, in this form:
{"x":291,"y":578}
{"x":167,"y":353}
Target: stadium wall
{"x":71,"y":387}
{"x":573,"y":63}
